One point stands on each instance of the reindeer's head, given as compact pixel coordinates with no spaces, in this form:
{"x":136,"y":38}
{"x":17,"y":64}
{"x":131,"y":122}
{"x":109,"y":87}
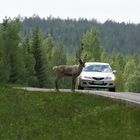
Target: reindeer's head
{"x":82,"y":62}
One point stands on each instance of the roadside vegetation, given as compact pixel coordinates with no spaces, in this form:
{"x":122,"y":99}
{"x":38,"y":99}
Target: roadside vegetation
{"x":28,"y":54}
{"x":64,"y":116}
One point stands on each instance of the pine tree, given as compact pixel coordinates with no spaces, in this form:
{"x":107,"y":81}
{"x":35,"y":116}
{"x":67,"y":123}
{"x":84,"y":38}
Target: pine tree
{"x":38,"y":55}
{"x":48,"y":45}
{"x":91,"y":46}
{"x":29,"y":61}
{"x":4,"y":67}
{"x":11,"y":39}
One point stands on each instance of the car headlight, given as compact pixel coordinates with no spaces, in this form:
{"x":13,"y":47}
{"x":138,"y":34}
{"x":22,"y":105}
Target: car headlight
{"x":111,"y":77}
{"x":87,"y":77}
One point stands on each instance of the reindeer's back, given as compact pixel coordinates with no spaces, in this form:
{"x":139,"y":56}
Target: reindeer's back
{"x":66,"y":69}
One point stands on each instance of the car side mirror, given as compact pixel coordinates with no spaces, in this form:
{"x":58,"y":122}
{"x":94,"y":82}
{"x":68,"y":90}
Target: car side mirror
{"x":114,"y":71}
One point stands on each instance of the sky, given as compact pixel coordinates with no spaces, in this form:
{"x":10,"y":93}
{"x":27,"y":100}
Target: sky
{"x":127,"y":11}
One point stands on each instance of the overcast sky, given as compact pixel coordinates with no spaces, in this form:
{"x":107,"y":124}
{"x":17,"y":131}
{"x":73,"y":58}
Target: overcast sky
{"x":101,"y":10}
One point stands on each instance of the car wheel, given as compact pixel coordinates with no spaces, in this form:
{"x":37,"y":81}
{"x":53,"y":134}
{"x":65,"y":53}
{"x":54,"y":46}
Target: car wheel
{"x":112,"y":89}
{"x":80,"y":87}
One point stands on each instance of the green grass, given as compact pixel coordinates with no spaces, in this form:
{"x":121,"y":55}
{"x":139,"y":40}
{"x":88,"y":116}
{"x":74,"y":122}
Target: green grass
{"x":65,"y":116}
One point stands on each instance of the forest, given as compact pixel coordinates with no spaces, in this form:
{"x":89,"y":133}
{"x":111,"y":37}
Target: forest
{"x":30,"y":47}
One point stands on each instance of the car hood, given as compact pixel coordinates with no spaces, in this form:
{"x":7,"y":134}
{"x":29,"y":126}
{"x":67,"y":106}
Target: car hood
{"x":96,"y":74}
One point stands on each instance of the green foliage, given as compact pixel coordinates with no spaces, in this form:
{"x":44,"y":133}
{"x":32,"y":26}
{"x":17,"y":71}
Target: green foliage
{"x":39,"y":61}
{"x":105,"y":57}
{"x":64,"y":116}
{"x":133,"y":82}
{"x":4,"y":67}
{"x":114,"y":37}
{"x":28,"y":54}
{"x":48,"y":46}
{"x":13,"y":69}
{"x":91,"y":46}
{"x":129,"y":69}
{"x":59,"y":56}
{"x":29,"y":62}
{"x":118,"y":64}
{"x":10,"y":58}
{"x":4,"y":71}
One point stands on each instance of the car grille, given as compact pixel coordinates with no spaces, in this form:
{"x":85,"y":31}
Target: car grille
{"x":103,"y":84}
{"x":98,"y":78}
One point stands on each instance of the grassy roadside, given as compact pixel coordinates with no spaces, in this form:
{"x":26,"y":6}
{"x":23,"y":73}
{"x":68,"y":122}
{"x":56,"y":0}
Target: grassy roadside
{"x":64,"y":116}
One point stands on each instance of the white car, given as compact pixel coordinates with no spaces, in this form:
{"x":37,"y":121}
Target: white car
{"x":97,"y":75}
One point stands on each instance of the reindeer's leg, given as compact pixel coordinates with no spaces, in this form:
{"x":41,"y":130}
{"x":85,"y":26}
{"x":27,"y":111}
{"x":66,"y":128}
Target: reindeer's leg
{"x":56,"y":84}
{"x":73,"y":83}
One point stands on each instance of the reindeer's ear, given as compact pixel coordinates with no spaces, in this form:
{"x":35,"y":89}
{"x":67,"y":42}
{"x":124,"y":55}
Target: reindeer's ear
{"x":85,"y":58}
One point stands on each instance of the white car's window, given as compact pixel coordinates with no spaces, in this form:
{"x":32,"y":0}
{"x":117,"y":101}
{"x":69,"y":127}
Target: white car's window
{"x":97,"y":68}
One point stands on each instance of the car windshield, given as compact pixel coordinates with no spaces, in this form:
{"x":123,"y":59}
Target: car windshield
{"x":97,"y":68}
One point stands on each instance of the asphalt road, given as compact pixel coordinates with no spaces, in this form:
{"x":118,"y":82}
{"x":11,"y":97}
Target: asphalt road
{"x":126,"y":97}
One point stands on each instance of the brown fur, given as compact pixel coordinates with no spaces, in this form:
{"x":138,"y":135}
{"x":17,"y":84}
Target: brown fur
{"x":68,"y":70}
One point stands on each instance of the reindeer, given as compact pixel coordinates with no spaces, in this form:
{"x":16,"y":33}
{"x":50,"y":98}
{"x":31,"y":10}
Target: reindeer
{"x":68,"y":70}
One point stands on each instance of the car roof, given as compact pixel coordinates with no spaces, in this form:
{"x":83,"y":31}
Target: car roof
{"x":96,"y":63}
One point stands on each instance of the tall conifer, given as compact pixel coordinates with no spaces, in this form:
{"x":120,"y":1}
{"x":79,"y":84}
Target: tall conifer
{"x":38,"y":55}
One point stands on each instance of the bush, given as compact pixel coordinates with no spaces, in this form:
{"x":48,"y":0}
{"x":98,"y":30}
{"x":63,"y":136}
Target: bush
{"x":133,"y":83}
